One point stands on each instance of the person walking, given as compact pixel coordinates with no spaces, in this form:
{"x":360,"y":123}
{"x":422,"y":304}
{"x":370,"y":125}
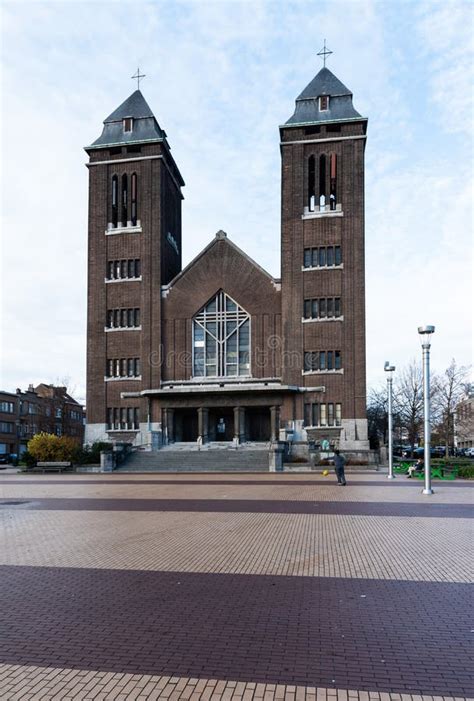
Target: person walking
{"x":339,"y":463}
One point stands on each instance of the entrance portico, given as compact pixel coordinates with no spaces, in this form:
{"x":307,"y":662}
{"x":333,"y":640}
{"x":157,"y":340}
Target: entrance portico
{"x":222,"y":424}
{"x":207,"y":412}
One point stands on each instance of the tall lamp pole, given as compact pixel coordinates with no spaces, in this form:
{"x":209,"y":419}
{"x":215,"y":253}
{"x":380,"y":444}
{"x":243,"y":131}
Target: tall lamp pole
{"x":425,"y":334}
{"x":390,"y":369}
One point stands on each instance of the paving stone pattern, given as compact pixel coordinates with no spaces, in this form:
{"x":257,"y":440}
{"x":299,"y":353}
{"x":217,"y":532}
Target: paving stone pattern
{"x":234,"y":589}
{"x":247,"y":506}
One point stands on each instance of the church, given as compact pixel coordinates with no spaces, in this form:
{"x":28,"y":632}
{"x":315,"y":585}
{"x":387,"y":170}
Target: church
{"x":220,"y":350}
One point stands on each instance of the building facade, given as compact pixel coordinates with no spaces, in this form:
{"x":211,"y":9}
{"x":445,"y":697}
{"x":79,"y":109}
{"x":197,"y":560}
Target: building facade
{"x":221,"y":350}
{"x":45,"y":408}
{"x":464,"y":424}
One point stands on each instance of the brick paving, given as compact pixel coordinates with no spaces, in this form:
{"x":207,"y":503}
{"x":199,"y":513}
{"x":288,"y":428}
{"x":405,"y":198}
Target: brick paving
{"x":426,"y":510}
{"x":364,"y":598}
{"x":279,"y":481}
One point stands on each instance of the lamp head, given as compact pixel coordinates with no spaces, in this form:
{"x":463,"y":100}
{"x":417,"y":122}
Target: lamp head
{"x":387,"y":367}
{"x":425,"y":334}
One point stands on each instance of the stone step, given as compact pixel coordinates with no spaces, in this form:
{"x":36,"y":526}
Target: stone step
{"x":180,"y":460}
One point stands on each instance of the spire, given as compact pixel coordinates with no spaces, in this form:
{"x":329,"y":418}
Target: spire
{"x":134,"y":106}
{"x":131,"y":123}
{"x":338,"y":107}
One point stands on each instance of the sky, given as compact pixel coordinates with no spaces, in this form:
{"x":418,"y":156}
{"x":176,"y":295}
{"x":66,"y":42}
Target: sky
{"x":220,"y":78}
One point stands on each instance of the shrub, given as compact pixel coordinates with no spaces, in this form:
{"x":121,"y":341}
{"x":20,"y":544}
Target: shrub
{"x":46,"y":447}
{"x":27,"y":459}
{"x":466,"y":473}
{"x":90,"y":454}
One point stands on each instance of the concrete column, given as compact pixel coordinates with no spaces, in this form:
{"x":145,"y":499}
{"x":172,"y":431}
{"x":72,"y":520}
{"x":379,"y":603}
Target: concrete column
{"x":237,"y":425}
{"x":203,"y":424}
{"x":164,"y":423}
{"x":243,"y":437}
{"x":275,"y":423}
{"x":170,"y":425}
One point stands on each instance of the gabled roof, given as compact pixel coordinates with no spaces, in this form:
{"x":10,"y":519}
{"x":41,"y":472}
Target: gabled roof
{"x":340,"y":101}
{"x":220,"y":236}
{"x":145,"y":127}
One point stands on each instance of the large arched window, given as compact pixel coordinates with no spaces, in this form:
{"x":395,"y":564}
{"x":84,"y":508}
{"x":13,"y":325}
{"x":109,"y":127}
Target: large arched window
{"x":221,"y":339}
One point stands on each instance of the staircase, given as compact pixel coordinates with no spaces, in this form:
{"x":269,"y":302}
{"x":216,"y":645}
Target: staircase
{"x":218,"y":458}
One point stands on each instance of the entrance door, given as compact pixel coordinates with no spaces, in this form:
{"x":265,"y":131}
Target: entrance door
{"x":185,"y":425}
{"x":221,"y":425}
{"x":258,"y":424}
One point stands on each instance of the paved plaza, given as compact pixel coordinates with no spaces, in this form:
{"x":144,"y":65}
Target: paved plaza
{"x":255,"y":586}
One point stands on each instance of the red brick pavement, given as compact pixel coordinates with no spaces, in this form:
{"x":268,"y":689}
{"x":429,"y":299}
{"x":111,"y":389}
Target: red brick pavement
{"x":327,"y":632}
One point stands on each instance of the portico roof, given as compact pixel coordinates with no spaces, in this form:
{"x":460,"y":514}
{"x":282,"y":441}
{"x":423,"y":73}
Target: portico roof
{"x":219,"y":386}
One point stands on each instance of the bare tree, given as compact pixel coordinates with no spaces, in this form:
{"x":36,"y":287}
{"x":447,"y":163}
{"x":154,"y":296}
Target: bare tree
{"x":408,"y":401}
{"x":377,"y":416}
{"x":450,"y":388}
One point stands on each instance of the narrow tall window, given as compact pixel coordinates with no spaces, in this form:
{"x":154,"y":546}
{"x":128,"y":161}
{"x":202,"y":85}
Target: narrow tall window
{"x":323,"y":103}
{"x":124,"y":199}
{"x":311,"y":183}
{"x":114,"y":201}
{"x":330,"y":414}
{"x":330,"y":364}
{"x":323,"y":415}
{"x":322,"y":182}
{"x":134,"y":200}
{"x":333,"y":181}
{"x":128,"y":125}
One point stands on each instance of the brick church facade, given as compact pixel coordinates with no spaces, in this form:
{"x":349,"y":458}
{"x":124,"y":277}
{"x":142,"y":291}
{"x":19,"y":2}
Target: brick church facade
{"x":220,"y":350}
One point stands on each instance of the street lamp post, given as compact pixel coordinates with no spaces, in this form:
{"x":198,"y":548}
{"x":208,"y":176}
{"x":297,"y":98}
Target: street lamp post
{"x":390,"y":369}
{"x":425,"y":334}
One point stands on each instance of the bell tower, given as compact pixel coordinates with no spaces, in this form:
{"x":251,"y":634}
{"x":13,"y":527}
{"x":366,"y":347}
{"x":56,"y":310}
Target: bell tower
{"x":322,"y":252}
{"x":134,"y":247}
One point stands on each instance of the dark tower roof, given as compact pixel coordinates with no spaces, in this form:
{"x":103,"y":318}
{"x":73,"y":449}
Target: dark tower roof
{"x":145,"y":127}
{"x":340,"y":108}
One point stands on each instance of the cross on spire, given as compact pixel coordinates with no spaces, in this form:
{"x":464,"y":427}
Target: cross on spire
{"x":324,"y":52}
{"x":137,"y":77}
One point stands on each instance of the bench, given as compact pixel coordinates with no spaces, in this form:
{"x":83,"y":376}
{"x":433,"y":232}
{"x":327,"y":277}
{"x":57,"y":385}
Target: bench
{"x":50,"y":467}
{"x":401,"y":468}
{"x":450,"y":472}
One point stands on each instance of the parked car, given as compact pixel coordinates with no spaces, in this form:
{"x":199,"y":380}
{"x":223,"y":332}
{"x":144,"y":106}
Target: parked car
{"x":469,"y":452}
{"x":4,"y":458}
